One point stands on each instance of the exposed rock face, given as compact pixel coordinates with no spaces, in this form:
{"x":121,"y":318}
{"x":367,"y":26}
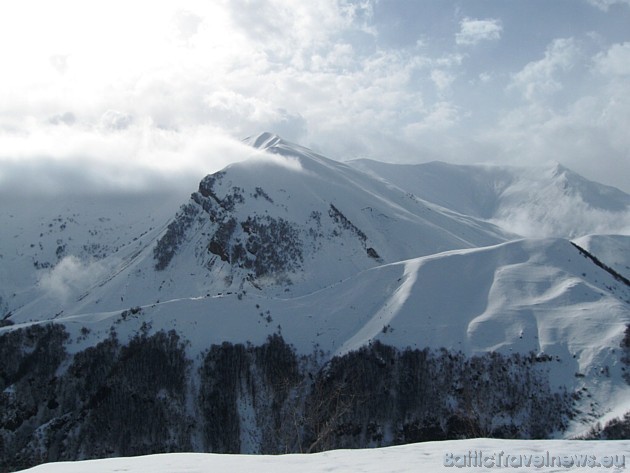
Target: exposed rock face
{"x":261,"y":245}
{"x":254,"y":245}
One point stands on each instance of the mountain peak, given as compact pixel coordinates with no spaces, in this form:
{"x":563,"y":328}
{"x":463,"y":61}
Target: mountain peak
{"x":264,"y":140}
{"x":299,"y":155}
{"x":557,"y":168}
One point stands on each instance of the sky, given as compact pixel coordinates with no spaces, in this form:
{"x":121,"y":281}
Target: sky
{"x":132,"y":96}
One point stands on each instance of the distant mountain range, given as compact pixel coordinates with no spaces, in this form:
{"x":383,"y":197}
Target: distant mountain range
{"x":531,"y":201}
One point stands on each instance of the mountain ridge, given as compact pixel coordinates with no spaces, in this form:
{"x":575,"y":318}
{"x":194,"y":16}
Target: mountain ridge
{"x":530,"y":201}
{"x":280,"y":222}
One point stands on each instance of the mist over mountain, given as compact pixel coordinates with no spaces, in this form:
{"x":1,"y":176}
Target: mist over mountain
{"x":530,"y":201}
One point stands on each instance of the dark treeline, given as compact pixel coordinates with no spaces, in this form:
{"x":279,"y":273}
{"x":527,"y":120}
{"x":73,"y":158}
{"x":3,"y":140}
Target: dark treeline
{"x":145,"y":397}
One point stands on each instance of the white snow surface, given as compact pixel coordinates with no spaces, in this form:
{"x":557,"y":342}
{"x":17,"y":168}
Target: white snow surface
{"x":425,"y":457}
{"x":612,"y":250}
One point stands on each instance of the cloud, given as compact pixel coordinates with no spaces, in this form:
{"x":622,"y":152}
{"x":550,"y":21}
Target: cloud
{"x":186,"y":24}
{"x":441,"y":116}
{"x":604,"y":5}
{"x":59,"y":62}
{"x":140,"y":95}
{"x":66,"y":118}
{"x":473,"y":31}
{"x":71,"y":276}
{"x":313,"y":73}
{"x":293,"y":31}
{"x":615,"y":61}
{"x":442,"y":79}
{"x":162,"y":99}
{"x":53,"y":159}
{"x":567,"y":217}
{"x":588,"y":133}
{"x":539,"y":79}
{"x":288,"y":162}
{"x":115,"y":120}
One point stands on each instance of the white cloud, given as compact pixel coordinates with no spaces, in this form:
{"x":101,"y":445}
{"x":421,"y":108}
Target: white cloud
{"x":559,"y":215}
{"x":287,"y":162}
{"x":52,"y":159}
{"x":161,"y":99}
{"x":540,"y":78}
{"x":589,"y":134}
{"x":584,"y":126}
{"x":615,"y":61}
{"x":71,"y":276}
{"x":59,"y":62}
{"x":606,"y":4}
{"x":66,"y":118}
{"x":442,"y":79}
{"x":140,"y":94}
{"x":442,"y":116}
{"x":116,"y":120}
{"x":341,"y":56}
{"x":473,"y":31}
{"x":485,"y":77}
{"x":293,"y":30}
{"x":186,"y":24}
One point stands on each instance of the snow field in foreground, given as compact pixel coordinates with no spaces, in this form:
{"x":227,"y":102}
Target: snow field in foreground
{"x":424,"y":457}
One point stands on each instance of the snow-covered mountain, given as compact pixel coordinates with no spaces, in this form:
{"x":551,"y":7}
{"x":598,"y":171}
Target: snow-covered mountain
{"x":286,"y":275}
{"x":531,"y":201}
{"x":279,"y":223}
{"x":288,"y":221}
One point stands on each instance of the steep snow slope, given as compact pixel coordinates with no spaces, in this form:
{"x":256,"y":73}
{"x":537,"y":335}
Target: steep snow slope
{"x":531,"y":201}
{"x":285,"y":221}
{"x":427,"y":456}
{"x":522,"y":296}
{"x":612,"y":250}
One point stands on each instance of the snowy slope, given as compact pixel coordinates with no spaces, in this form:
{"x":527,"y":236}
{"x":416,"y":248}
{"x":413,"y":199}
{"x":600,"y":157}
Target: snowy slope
{"x":610,"y":249}
{"x":530,"y":201}
{"x":428,"y":457}
{"x":60,"y":245}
